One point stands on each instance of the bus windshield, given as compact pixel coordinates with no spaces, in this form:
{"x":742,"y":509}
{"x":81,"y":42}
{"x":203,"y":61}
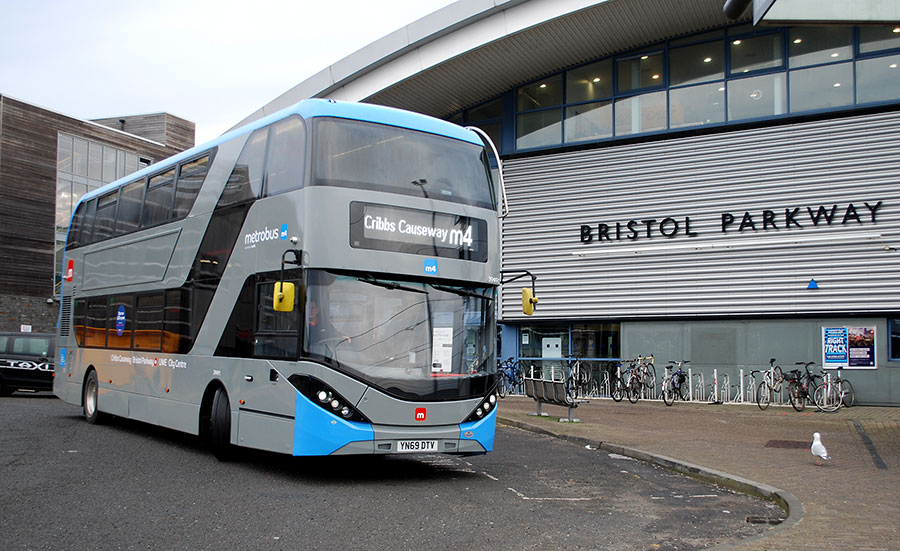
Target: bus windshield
{"x":373,"y":156}
{"x":411,"y":339}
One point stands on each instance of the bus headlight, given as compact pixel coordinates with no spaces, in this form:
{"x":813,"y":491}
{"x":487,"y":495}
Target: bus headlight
{"x":325,"y":397}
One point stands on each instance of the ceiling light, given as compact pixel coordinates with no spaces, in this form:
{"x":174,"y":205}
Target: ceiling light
{"x":798,"y":40}
{"x":722,"y":89}
{"x":643,"y":57}
{"x":654,"y":77}
{"x":837,"y":84}
{"x":542,"y":86}
{"x":596,"y":79}
{"x":835,"y":54}
{"x":893,"y":65}
{"x":896,"y":29}
{"x":707,"y":60}
{"x":737,"y":42}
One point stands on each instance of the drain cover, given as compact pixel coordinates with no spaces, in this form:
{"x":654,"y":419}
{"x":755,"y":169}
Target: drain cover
{"x":791,"y":444}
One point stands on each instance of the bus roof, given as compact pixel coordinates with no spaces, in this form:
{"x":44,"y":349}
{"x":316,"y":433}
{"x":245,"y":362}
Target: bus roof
{"x":308,"y":109}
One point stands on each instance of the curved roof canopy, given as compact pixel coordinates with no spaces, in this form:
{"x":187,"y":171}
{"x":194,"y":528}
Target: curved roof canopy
{"x":473,"y":50}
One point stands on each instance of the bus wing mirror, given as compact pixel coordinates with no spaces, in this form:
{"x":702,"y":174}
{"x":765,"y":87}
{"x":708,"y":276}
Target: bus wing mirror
{"x":283,"y":300}
{"x":528,"y":301}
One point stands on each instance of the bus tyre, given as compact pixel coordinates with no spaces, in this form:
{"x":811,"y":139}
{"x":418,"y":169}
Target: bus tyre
{"x":89,"y":400}
{"x":220,"y":426}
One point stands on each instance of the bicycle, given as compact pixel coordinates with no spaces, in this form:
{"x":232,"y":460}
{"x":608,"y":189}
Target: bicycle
{"x":799,"y":384}
{"x":848,"y":396}
{"x":772,"y":382}
{"x":674,"y":383}
{"x":578,"y":381}
{"x":647,"y":371}
{"x":617,"y":386}
{"x":835,"y":393}
{"x":509,"y":375}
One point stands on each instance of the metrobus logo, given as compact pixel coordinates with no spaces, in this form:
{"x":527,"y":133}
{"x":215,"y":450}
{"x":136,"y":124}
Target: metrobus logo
{"x":265,"y":234}
{"x":421,"y":414}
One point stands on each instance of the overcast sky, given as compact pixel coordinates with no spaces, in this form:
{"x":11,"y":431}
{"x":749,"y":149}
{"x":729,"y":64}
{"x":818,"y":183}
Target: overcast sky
{"x":211,"y":62}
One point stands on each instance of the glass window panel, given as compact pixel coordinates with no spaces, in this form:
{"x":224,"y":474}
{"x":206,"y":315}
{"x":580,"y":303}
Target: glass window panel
{"x":95,"y":322}
{"x":190,"y":178}
{"x":697,"y":105}
{"x":148,"y":322}
{"x":753,"y":54}
{"x":595,"y":340}
{"x":95,"y":161}
{"x":87,"y":225}
{"x":287,"y":151}
{"x":894,"y":348}
{"x":817,"y":45}
{"x":80,"y":158}
{"x":698,"y":63}
{"x":105,"y":220}
{"x":878,"y":79}
{"x":120,"y":164}
{"x":131,"y":163}
{"x":64,"y":154}
{"x":534,"y":339}
{"x":590,"y":121}
{"x":109,"y":164}
{"x":177,"y":323}
{"x":763,"y":96}
{"x":644,"y":113}
{"x":246,"y":177}
{"x":63,"y":204}
{"x":638,"y":72}
{"x":490,"y":110}
{"x":493,"y":130}
{"x":590,"y":82}
{"x":545,"y":93}
{"x":539,"y":129}
{"x":822,"y":87}
{"x":131,"y":199}
{"x":877,"y":37}
{"x":158,"y":204}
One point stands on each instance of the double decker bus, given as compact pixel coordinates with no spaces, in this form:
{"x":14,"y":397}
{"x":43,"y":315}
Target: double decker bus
{"x":322,"y":281}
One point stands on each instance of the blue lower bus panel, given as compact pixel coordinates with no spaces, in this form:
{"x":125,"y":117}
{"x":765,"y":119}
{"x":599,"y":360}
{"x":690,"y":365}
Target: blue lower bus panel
{"x":318,"y":432}
{"x":482,"y":431}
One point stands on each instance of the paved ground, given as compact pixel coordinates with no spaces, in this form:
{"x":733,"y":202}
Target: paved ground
{"x":851,"y":502}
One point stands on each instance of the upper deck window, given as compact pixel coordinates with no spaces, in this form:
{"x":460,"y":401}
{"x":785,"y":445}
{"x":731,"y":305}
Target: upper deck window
{"x":385,"y":158}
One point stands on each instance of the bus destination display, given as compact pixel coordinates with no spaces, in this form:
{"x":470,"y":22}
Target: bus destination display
{"x":397,"y":229}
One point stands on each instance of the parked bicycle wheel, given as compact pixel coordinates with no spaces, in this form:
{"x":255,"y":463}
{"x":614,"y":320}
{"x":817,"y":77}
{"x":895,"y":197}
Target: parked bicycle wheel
{"x":649,"y":376}
{"x":797,"y":395}
{"x":828,"y":398}
{"x":848,"y":396}
{"x":763,"y":395}
{"x":634,"y":389}
{"x":617,"y":389}
{"x":571,"y":389}
{"x":668,"y":392}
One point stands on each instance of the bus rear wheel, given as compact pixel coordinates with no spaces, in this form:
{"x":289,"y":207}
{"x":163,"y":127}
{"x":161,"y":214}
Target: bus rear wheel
{"x":89,"y":400}
{"x":220,"y":426}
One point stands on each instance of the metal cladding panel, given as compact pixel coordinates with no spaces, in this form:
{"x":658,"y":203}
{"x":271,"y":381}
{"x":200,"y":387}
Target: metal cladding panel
{"x":742,"y":222}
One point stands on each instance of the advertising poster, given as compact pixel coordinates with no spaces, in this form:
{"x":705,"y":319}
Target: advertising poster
{"x":849,"y":347}
{"x":862,"y":346}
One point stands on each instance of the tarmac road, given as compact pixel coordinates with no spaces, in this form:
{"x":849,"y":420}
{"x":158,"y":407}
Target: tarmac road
{"x":65,"y":484}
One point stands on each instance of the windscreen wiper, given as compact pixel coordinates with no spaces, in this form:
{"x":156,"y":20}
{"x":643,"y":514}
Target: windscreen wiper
{"x":455,"y":290}
{"x":389,"y":284}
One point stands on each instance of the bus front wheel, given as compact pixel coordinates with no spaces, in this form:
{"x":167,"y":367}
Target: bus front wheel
{"x":220,"y":426}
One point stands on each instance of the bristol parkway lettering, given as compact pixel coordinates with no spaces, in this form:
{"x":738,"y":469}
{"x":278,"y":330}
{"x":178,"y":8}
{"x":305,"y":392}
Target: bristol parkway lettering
{"x":790,"y":218}
{"x":797,"y":218}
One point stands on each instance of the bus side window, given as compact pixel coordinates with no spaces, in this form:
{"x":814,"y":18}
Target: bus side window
{"x":105,"y":221}
{"x":131,"y":199}
{"x":160,"y":194}
{"x":287,"y":151}
{"x":95,"y":323}
{"x":80,"y":321}
{"x":246,"y":179}
{"x":87,"y":223}
{"x":190,"y":178}
{"x":148,"y":322}
{"x":74,"y":239}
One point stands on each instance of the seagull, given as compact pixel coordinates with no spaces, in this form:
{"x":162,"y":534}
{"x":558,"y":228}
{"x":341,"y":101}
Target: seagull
{"x":818,"y":449}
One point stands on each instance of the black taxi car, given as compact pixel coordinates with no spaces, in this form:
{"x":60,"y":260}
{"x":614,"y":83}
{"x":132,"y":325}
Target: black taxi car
{"x":26,"y":362}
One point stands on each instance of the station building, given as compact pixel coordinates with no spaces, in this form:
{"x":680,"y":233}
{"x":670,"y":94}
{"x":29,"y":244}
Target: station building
{"x":681,"y":184}
{"x":48,"y":161}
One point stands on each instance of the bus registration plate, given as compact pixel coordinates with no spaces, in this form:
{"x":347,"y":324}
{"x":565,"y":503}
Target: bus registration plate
{"x":417,"y":446}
